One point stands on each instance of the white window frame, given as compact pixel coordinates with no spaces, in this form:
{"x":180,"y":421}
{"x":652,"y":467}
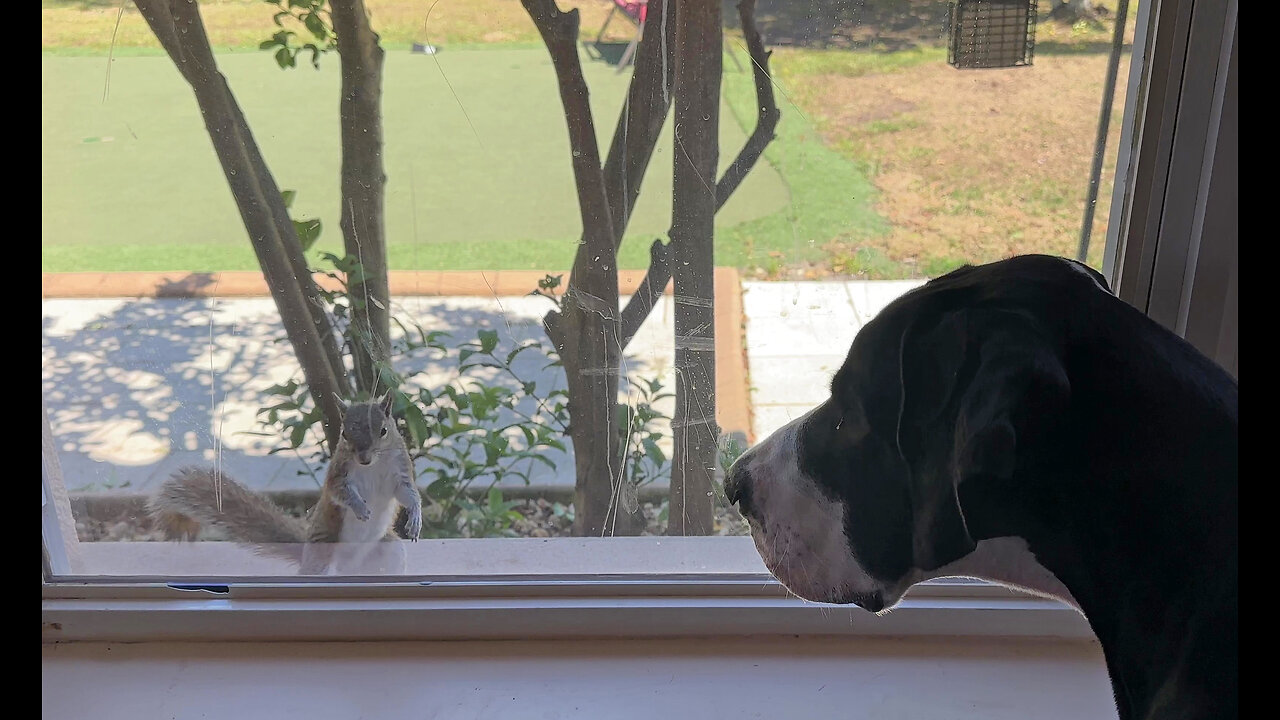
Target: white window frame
{"x":1157,"y":169}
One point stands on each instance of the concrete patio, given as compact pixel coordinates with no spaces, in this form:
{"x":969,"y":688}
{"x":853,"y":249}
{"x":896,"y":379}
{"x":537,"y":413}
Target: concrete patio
{"x":138,"y":387}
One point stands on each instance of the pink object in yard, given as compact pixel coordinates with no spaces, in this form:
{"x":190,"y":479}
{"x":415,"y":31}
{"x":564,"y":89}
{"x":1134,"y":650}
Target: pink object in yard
{"x":636,"y":13}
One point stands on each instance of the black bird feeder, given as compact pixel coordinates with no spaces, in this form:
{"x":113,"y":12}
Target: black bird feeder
{"x":992,"y":33}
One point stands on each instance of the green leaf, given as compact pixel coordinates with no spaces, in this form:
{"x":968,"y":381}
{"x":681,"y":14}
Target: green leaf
{"x":416,"y":422}
{"x":441,"y":489}
{"x":495,"y":500}
{"x":512,"y":355}
{"x":308,"y":232}
{"x":284,"y":58}
{"x":267,"y":45}
{"x":297,"y":436}
{"x":287,"y":389}
{"x":544,"y":460}
{"x":654,"y":452}
{"x":488,"y":340}
{"x":315,"y":24}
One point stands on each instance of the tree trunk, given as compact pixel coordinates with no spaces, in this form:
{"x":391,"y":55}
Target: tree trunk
{"x":585,"y":329}
{"x":181,"y":32}
{"x":635,"y":138}
{"x":363,"y":184}
{"x":696,"y":158}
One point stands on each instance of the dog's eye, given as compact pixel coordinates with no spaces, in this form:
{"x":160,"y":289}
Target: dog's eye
{"x":384,"y":432}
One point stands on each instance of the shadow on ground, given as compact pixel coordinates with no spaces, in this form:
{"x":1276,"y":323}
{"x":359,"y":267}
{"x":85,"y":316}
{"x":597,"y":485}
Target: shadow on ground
{"x":136,"y":389}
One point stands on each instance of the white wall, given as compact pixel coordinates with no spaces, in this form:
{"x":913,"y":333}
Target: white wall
{"x":880,"y":678}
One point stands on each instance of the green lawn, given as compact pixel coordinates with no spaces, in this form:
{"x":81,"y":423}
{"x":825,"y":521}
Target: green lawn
{"x":880,"y":168}
{"x":480,"y":181}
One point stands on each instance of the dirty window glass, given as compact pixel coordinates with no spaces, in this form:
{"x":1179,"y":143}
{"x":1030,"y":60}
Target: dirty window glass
{"x":321,"y":276}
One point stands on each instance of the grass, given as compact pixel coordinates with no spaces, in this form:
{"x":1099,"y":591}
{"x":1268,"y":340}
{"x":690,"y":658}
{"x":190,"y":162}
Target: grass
{"x":478,"y":182}
{"x":887,"y":163}
{"x":831,"y":197}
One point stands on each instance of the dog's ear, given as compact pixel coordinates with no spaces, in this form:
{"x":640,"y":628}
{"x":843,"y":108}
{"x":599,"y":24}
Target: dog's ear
{"x":974,"y":382}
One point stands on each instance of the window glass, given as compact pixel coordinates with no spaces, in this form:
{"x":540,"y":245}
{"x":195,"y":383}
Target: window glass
{"x":571,"y":267}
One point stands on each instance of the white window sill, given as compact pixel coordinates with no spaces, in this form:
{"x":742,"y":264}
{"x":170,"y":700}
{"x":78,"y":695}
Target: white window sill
{"x":502,"y":589}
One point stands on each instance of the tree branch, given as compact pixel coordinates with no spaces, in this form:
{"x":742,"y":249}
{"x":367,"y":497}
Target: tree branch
{"x":646,"y":296}
{"x":660,"y":270}
{"x":181,"y":32}
{"x":767,"y":118}
{"x":643,"y":114}
{"x":585,"y":329}
{"x":559,"y":32}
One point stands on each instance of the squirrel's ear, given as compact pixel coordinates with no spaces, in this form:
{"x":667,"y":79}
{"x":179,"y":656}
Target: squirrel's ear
{"x":342,"y":404}
{"x":387,"y":402}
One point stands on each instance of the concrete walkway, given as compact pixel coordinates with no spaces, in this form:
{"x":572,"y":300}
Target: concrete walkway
{"x":797,"y":336}
{"x":136,"y":388}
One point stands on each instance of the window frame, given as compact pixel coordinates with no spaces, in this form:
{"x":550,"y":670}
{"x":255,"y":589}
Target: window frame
{"x":81,"y":608}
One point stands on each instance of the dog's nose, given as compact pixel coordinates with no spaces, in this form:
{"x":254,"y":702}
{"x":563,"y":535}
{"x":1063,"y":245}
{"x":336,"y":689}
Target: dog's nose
{"x":737,"y":487}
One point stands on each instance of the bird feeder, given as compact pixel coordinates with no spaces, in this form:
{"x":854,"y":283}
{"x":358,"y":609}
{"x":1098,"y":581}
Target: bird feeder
{"x":992,"y":33}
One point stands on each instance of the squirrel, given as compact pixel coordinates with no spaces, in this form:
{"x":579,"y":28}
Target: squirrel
{"x":370,"y":472}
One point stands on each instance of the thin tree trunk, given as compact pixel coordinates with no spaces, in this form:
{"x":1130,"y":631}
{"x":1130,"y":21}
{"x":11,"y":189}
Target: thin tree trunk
{"x":634,"y":140}
{"x":696,"y":157}
{"x":178,"y":26}
{"x":767,"y":114}
{"x":363,"y":185}
{"x":585,"y":329}
{"x":643,"y":115}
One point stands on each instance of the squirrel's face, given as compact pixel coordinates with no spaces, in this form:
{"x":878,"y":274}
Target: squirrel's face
{"x":366,"y":428}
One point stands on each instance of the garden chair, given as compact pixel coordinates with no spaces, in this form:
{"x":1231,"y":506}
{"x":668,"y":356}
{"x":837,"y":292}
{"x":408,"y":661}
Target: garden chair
{"x":633,"y":11}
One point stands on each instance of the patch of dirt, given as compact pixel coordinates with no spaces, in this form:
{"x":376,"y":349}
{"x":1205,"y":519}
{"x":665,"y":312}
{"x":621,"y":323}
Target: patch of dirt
{"x":971,"y":165}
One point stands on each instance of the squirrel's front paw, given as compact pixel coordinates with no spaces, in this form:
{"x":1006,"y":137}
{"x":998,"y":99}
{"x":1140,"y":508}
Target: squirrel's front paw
{"x":361,"y":511}
{"x":413,"y":525}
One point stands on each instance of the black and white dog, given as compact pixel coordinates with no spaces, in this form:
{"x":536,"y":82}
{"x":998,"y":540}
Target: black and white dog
{"x":1019,"y":423}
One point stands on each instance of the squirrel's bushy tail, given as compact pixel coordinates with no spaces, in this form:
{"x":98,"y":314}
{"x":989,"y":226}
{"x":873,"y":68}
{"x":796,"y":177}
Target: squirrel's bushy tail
{"x":195,"y":497}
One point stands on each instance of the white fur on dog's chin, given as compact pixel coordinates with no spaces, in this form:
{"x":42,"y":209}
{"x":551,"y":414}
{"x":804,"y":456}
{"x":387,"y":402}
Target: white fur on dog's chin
{"x":1009,"y":562}
{"x":799,"y":533}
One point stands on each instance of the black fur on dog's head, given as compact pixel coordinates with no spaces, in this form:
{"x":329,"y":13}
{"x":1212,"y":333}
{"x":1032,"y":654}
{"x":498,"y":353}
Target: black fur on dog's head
{"x":957,"y":382}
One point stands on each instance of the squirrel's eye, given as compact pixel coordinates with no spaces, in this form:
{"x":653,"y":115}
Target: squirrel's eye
{"x":384,"y":432}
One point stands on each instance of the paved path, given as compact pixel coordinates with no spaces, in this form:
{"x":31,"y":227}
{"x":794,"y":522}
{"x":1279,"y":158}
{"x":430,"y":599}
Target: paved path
{"x":136,"y":388}
{"x":797,"y":336}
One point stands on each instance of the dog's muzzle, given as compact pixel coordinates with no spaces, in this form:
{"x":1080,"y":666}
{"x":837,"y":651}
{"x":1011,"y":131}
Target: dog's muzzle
{"x":737,"y":488}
